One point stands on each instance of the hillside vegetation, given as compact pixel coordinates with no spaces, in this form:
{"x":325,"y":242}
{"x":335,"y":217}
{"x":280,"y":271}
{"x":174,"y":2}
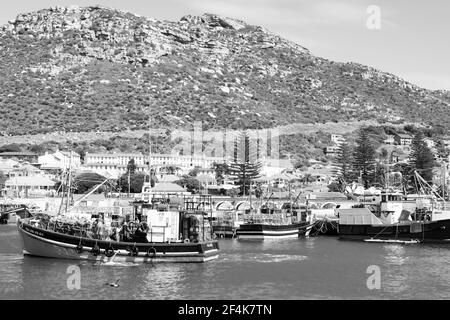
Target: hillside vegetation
{"x":99,"y":69}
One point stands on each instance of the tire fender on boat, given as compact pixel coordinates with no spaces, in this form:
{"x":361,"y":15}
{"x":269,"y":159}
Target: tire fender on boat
{"x":79,"y":248}
{"x":151,"y":252}
{"x":109,"y":252}
{"x":95,"y":250}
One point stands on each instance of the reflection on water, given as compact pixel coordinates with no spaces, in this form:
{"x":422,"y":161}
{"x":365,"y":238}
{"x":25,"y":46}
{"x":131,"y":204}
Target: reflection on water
{"x":311,"y":268}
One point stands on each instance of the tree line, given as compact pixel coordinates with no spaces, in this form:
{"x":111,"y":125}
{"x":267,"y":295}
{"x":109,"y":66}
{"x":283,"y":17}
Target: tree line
{"x":362,"y":163}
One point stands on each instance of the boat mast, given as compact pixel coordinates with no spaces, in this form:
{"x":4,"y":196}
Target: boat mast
{"x":70,"y":181}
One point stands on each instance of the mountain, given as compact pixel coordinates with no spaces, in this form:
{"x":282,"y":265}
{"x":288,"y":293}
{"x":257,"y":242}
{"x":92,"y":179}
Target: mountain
{"x":99,"y":69}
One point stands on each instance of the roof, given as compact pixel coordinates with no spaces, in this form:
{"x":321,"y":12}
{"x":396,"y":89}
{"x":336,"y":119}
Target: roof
{"x":329,"y":195}
{"x":114,"y":155}
{"x":168,"y":178}
{"x":280,"y":163}
{"x":31,"y":181}
{"x":32,"y":154}
{"x":404,"y":136}
{"x":357,"y":216}
{"x":67,"y":153}
{"x":205,"y":178}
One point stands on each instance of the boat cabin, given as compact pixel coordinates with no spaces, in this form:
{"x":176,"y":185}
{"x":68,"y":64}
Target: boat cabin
{"x":176,"y":220}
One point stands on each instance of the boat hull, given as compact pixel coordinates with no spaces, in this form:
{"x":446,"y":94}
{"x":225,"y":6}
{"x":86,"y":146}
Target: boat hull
{"x":424,"y":232}
{"x":46,"y":243}
{"x":224,"y":231}
{"x":325,"y":227}
{"x":268,"y":231}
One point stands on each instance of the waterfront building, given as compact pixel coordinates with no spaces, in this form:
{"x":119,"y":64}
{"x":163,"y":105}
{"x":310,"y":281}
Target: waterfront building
{"x":25,"y":186}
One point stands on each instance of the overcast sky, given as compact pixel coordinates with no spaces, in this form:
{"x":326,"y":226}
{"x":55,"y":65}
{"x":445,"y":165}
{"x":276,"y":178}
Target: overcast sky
{"x":412,"y":42}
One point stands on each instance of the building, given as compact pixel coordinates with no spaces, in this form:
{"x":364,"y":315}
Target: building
{"x":206,"y":181}
{"x":116,"y":163}
{"x":12,"y":168}
{"x":402,"y":139}
{"x":332,"y":151}
{"x":271,"y":167}
{"x":337,"y":139}
{"x":20,"y":156}
{"x":25,"y":186}
{"x":60,"y":160}
{"x":390,"y":140}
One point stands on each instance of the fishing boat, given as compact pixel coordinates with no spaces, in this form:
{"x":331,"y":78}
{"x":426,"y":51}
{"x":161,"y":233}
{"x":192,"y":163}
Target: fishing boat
{"x":270,"y":223}
{"x":158,"y":230}
{"x":11,"y":212}
{"x":173,"y":236}
{"x":387,"y":221}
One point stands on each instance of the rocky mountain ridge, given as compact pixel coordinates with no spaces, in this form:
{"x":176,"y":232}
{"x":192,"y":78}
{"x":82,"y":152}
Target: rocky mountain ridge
{"x":95,"y":68}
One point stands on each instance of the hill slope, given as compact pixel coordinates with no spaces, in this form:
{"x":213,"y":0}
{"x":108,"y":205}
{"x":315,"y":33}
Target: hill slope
{"x":95,"y":68}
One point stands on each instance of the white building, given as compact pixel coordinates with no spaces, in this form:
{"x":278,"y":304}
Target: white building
{"x":272,"y":167}
{"x":337,"y":139}
{"x":59,"y":160}
{"x":116,"y":163}
{"x":25,"y":186}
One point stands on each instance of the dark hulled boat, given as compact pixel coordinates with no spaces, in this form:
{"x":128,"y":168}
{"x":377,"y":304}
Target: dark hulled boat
{"x":388,"y":221}
{"x":173,"y":236}
{"x":289,"y":222}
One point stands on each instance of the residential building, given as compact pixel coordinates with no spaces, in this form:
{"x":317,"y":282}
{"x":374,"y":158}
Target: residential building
{"x":331,"y":150}
{"x":116,"y":163}
{"x":403,"y":139}
{"x":30,"y":157}
{"x":25,"y":186}
{"x":337,"y":139}
{"x":59,"y":160}
{"x":390,"y":140}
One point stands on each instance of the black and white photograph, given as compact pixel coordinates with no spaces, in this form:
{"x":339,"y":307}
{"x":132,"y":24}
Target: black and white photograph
{"x":200,"y":151}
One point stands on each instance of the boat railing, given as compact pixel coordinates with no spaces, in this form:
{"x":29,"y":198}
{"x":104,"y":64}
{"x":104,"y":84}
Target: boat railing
{"x":273,"y":219}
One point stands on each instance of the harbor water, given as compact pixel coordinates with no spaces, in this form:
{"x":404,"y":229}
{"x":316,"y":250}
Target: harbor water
{"x":309,"y":268}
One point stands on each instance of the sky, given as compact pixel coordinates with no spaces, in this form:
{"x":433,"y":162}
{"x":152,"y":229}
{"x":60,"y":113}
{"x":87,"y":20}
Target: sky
{"x":407,"y":38}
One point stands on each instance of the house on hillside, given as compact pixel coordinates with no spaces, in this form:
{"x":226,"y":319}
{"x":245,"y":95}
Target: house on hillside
{"x":389,"y":140}
{"x":331,"y":151}
{"x":403,"y":139}
{"x":337,"y":139}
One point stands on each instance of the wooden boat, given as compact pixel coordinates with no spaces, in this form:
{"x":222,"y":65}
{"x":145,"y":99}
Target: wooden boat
{"x":10,"y":213}
{"x":174,"y":235}
{"x":47,"y":243}
{"x":261,"y":231}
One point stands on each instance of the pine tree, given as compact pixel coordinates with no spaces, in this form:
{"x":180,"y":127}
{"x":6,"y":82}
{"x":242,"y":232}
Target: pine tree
{"x":342,"y":167}
{"x":245,"y":168}
{"x":422,"y":159}
{"x":131,"y":166}
{"x":364,"y":158}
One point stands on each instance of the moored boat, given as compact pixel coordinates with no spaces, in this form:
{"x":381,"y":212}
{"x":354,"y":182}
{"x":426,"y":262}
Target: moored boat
{"x":172,"y":236}
{"x":289,"y":222}
{"x":387,"y":221}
